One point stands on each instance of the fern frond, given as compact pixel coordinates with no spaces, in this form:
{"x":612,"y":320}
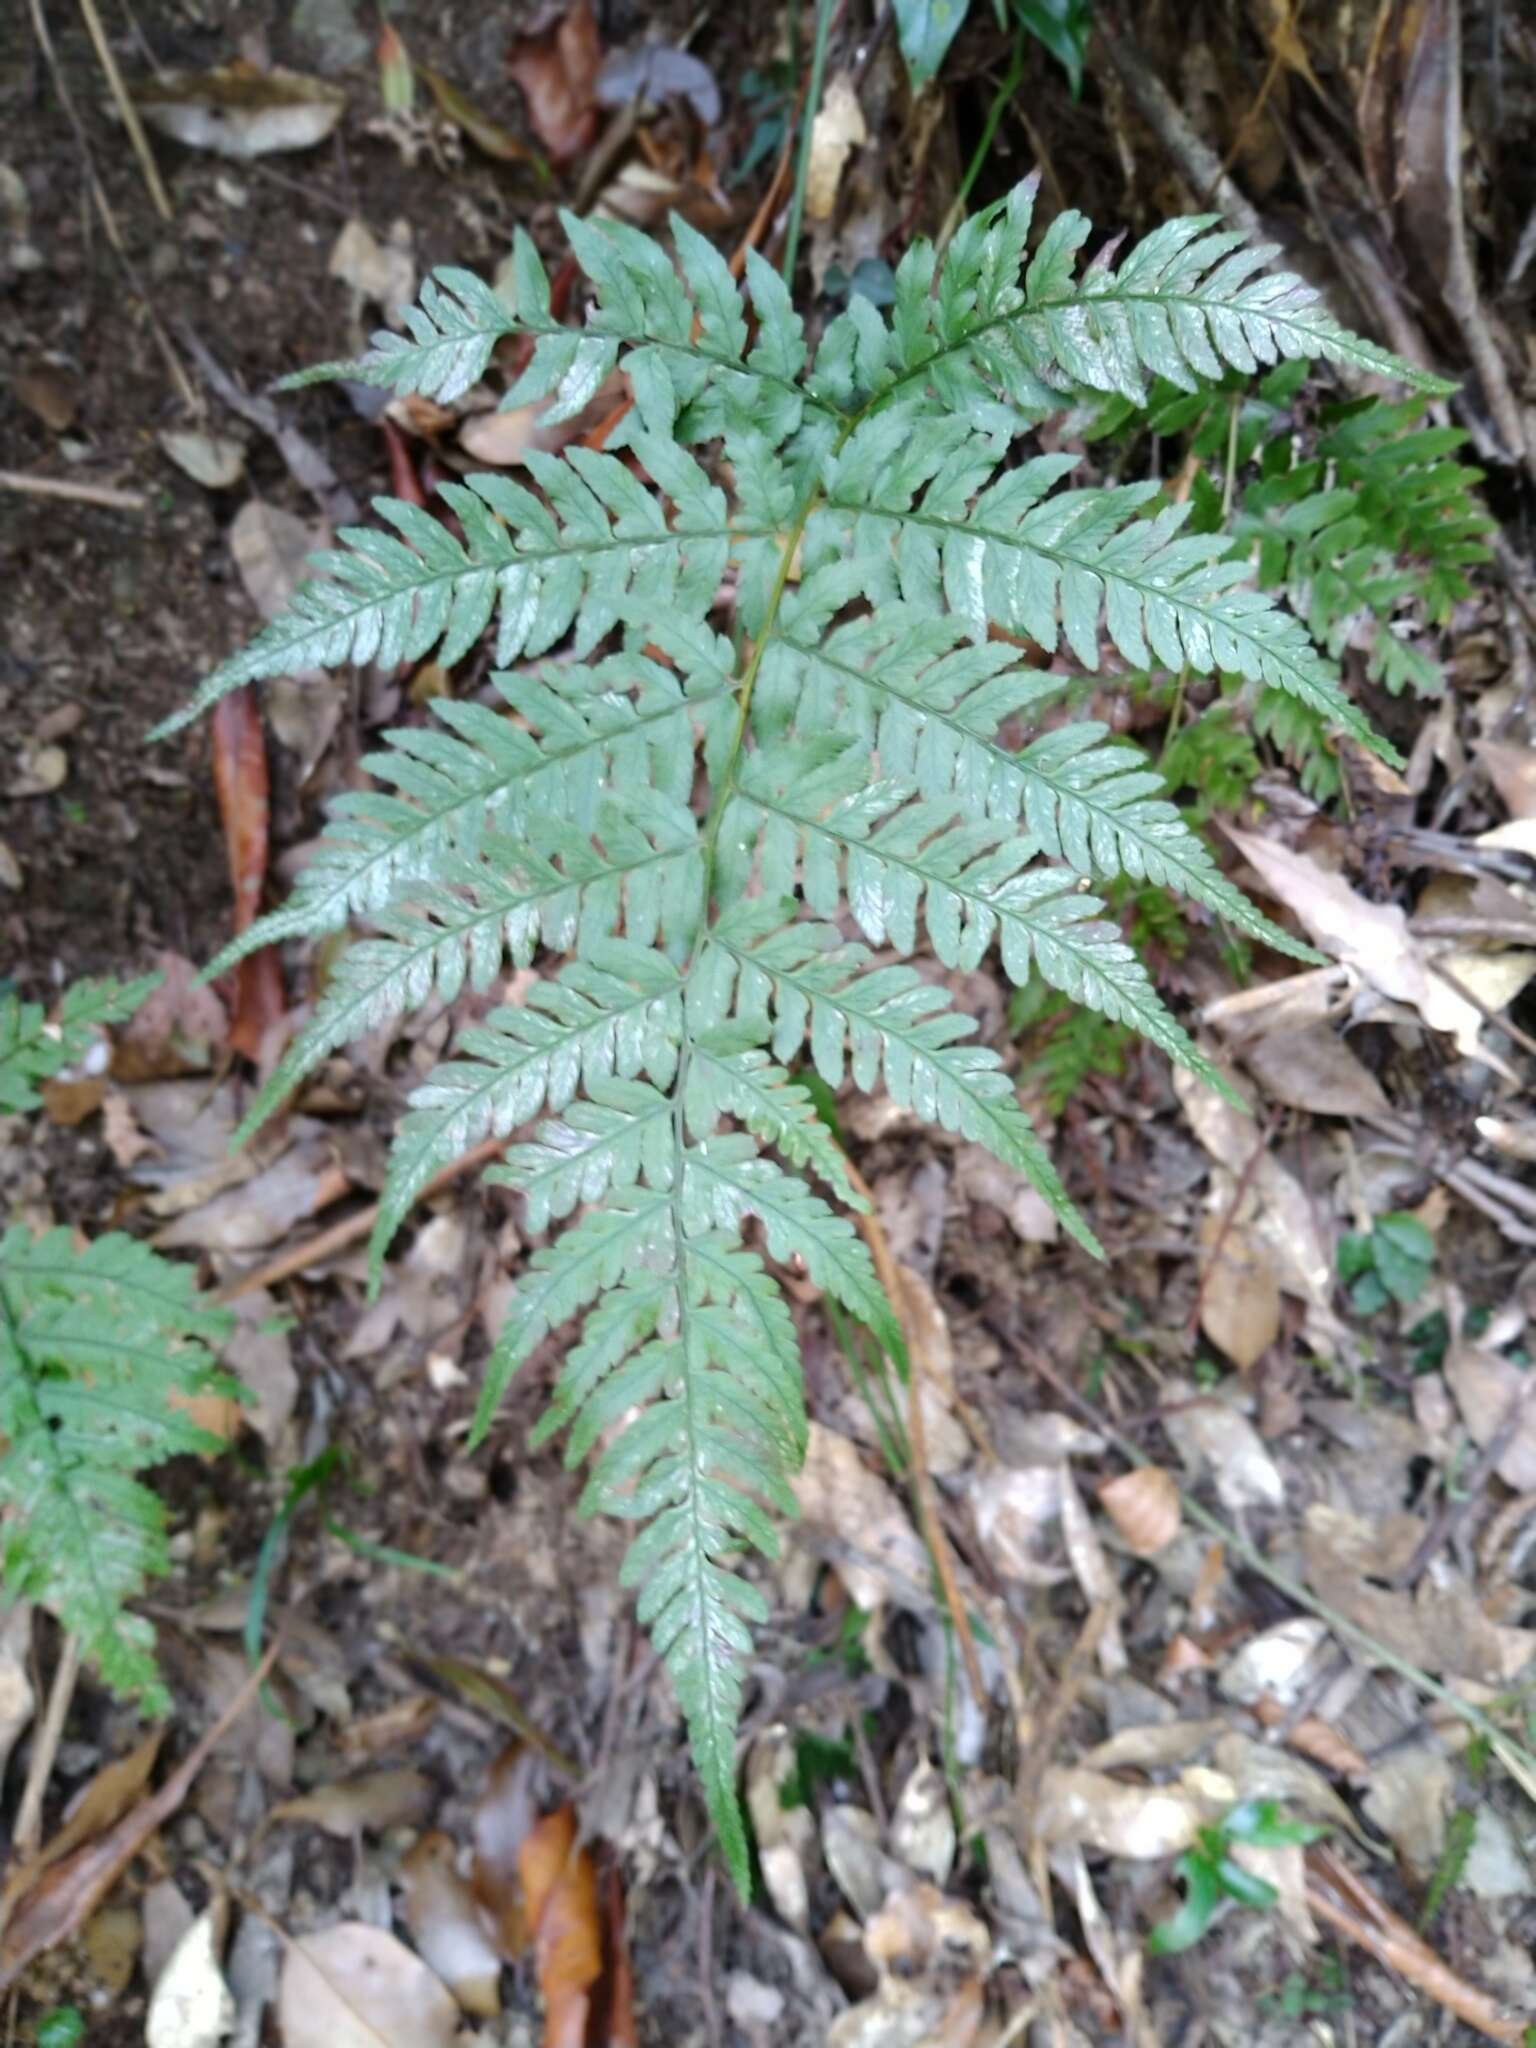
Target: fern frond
{"x":100,"y":1350}
{"x":688,"y":818}
{"x":33,"y":1049}
{"x":541,"y":568}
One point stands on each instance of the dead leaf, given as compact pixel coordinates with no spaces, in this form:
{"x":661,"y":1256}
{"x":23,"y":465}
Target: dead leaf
{"x":1144,"y":1506}
{"x":1408,"y":1797}
{"x":1091,"y":1567}
{"x":655,"y":72}
{"x":377,"y":1801}
{"x":120,"y":1128}
{"x":1277,"y":1664}
{"x":69,"y":1102}
{"x":354,"y":1986}
{"x":175,"y":1029}
{"x":382,"y":272}
{"x":932,"y":1954}
{"x":1096,"y":1811}
{"x":838,"y":128}
{"x":211,"y":460}
{"x":448,"y":1927}
{"x":60,"y":1893}
{"x":241,"y":784}
{"x":41,"y":768}
{"x":260,"y":1356}
{"x":1314,"y":1070}
{"x":238,"y":111}
{"x":191,"y":2006}
{"x":979,"y":1177}
{"x":400,"y":1726}
{"x":504,"y":1816}
{"x":49,"y":392}
{"x":1512,"y":771}
{"x":1372,"y":938}
{"x":923,"y":1824}
{"x":880,"y":1555}
{"x":271,"y":550}
{"x":1014,"y":1510}
{"x":483,"y":132}
{"x":861,"y":1870}
{"x":557,"y":75}
{"x":1212,"y":1435}
{"x":1239,"y":1293}
{"x":786,"y":1835}
{"x":560,"y":1888}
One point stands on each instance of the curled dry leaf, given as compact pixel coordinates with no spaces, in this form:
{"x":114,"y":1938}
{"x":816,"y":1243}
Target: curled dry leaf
{"x":1086,"y":1556}
{"x":1014,"y":1512}
{"x":878,"y":1553}
{"x":838,"y":128}
{"x":1144,"y":1506}
{"x":1277,"y":1664}
{"x":372,"y":1803}
{"x":863,"y":1873}
{"x":448,"y":1926}
{"x":1213,"y":1436}
{"x":1493,"y":1394}
{"x":354,"y":1986}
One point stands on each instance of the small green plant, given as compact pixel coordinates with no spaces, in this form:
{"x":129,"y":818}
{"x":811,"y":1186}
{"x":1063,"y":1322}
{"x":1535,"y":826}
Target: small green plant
{"x":1212,"y":1874}
{"x":677,"y":821}
{"x":926,"y":28}
{"x":101,"y":1350}
{"x":1389,"y":1262}
{"x":1302,"y":1998}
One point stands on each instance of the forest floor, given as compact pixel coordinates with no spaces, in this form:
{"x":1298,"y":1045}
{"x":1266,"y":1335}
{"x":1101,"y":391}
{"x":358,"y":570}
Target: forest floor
{"x":1315,"y":1320}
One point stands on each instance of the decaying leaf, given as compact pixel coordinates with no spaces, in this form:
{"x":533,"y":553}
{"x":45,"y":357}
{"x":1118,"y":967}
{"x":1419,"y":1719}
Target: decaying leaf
{"x":923,"y":1824}
{"x":1408,"y":1797}
{"x":1492,"y":1393}
{"x":1277,"y":1663}
{"x":839,"y":127}
{"x":786,"y":1835}
{"x":1214,"y":1437}
{"x":863,"y":1873}
{"x":880,"y":1556}
{"x":384,"y":273}
{"x":191,"y":2006}
{"x":1144,"y":1506}
{"x":355,"y":1986}
{"x":375,"y":1802}
{"x":931,"y":1953}
{"x":1085,"y":1554}
{"x":1239,"y":1290}
{"x":560,"y":1889}
{"x":448,"y":1927}
{"x":211,"y":460}
{"x":557,"y":74}
{"x":1016,"y":1511}
{"x":1099,"y":1812}
{"x":504,"y":1815}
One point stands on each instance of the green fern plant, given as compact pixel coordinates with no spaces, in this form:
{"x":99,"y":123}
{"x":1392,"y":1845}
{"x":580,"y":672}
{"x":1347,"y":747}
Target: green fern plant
{"x":100,"y":1351}
{"x":861,"y":517}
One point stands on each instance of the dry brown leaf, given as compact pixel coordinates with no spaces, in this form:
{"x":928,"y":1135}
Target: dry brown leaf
{"x":53,"y":1898}
{"x":1015,"y":1511}
{"x":1154,"y":1746}
{"x":880,"y":1556}
{"x":1239,"y":1290}
{"x":1144,"y":1506}
{"x":1408,"y":1797}
{"x":1491,"y":1391}
{"x":1372,"y":938}
{"x":932,"y":1954}
{"x":1314,"y":1070}
{"x":354,"y":1986}
{"x":383,"y":273}
{"x":1211,"y":1434}
{"x":560,"y":1887}
{"x":399,"y":1726}
{"x":448,"y":1927}
{"x":556,"y":72}
{"x":923,"y":1823}
{"x":1512,"y":771}
{"x":863,"y":1873}
{"x":838,"y":128}
{"x":375,"y":1802}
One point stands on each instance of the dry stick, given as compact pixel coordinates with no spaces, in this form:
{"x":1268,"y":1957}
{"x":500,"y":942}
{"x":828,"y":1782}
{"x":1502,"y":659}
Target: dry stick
{"x":919,"y":1367}
{"x":1488,"y":1016}
{"x":105,"y":495}
{"x":128,"y":111}
{"x":1338,"y":1895}
{"x":28,"y":1834}
{"x":347,"y":1232}
{"x":1516,"y":1759}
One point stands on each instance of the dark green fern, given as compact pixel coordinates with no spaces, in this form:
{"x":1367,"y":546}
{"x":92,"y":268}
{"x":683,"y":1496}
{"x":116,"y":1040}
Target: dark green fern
{"x":860,"y":516}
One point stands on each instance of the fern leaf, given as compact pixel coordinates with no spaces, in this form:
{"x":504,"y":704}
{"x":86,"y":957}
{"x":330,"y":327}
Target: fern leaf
{"x":33,"y":1049}
{"x":575,"y":562}
{"x":99,"y":1351}
{"x":615,"y":1014}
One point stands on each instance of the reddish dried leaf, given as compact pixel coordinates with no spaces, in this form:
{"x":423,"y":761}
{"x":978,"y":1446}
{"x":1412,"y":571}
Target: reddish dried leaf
{"x":557,"y":73}
{"x":244,"y":793}
{"x":403,"y":480}
{"x":560,"y":1889}
{"x":622,"y":2028}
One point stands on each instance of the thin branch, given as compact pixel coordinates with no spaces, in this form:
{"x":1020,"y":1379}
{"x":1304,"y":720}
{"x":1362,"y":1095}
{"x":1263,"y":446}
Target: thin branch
{"x":28,"y":1834}
{"x":105,"y":495}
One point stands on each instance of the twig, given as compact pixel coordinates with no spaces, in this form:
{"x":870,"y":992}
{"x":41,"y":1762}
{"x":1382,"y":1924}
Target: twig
{"x":104,"y":495}
{"x":889,"y":1275}
{"x":28,"y":1833}
{"x":1488,"y":1016}
{"x":128,"y":111}
{"x":1335,"y":1893}
{"x":347,"y":1232}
